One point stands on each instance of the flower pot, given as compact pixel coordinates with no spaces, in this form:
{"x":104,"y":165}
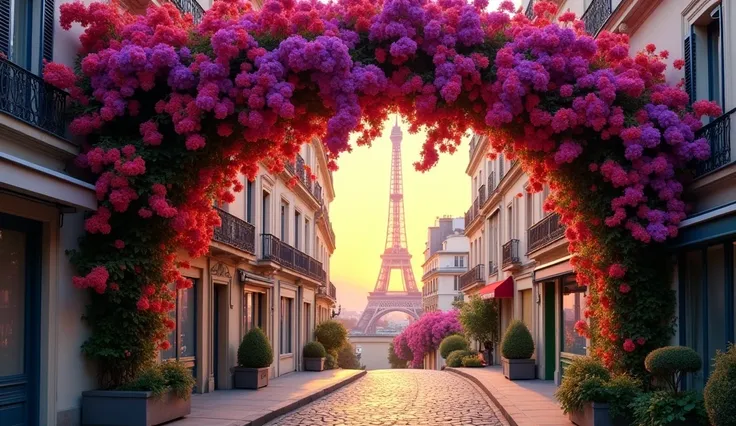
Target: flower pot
{"x":595,"y":414}
{"x":131,"y":408}
{"x":250,"y":378}
{"x":314,"y":364}
{"x":519,"y":369}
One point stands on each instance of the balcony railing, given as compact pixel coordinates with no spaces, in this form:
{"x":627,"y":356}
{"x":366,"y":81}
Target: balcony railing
{"x":299,"y":170}
{"x":718,"y":134}
{"x":333,"y":291}
{"x":190,"y":6}
{"x":481,"y":195}
{"x":236,"y":232}
{"x":530,"y":9}
{"x":28,"y":98}
{"x":289,"y":257}
{"x":472,"y":213}
{"x":473,"y":276}
{"x":329,"y":291}
{"x":510,"y":253}
{"x":492,"y":267}
{"x":544,"y":232}
{"x":596,"y":16}
{"x":491,"y":183}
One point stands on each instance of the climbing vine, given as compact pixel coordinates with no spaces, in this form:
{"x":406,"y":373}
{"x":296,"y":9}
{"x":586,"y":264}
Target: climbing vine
{"x":171,"y":113}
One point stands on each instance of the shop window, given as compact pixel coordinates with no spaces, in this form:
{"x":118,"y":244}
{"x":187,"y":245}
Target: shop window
{"x":254,"y":304}
{"x":286,"y":325}
{"x":573,"y":305}
{"x":183,"y":338}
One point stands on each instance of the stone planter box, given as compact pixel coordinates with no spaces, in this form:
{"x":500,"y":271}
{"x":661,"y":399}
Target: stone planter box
{"x":250,"y":378}
{"x":314,"y":364}
{"x":595,"y":414}
{"x":519,"y":369}
{"x":131,"y":408}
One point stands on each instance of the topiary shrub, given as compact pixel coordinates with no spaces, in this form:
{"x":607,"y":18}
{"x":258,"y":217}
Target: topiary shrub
{"x":583,"y":374}
{"x":455,"y":358}
{"x":670,"y":364}
{"x":472,"y":362}
{"x":332,"y":334}
{"x":517,"y":342}
{"x":720,"y":391}
{"x":255,"y":350}
{"x":314,"y":349}
{"x":452,"y":343}
{"x":347,"y":359}
{"x":330,"y":362}
{"x":158,"y":379}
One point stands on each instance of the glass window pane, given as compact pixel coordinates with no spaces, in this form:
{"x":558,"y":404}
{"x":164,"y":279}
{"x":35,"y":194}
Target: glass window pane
{"x":248,"y":311}
{"x":20,"y":34}
{"x":187,"y":322}
{"x":12,"y":301}
{"x":573,"y":305}
{"x":716,"y":303}
{"x":693,"y":310}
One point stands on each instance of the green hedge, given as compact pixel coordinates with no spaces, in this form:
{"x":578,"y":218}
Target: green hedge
{"x":720,"y":392}
{"x":452,"y":343}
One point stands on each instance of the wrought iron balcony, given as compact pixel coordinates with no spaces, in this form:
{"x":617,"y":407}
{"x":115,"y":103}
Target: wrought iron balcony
{"x":596,"y":16}
{"x":28,"y":98}
{"x":333,"y":291}
{"x":192,"y":7}
{"x":718,"y":134}
{"x":289,"y":257}
{"x":235,"y":232}
{"x":481,"y":195}
{"x":510,"y":253}
{"x":328,"y":291}
{"x":317,"y":192}
{"x":473,"y":276}
{"x":544,"y":232}
{"x":491,"y":183}
{"x":472,"y":213}
{"x":530,"y":9}
{"x":492,"y":267}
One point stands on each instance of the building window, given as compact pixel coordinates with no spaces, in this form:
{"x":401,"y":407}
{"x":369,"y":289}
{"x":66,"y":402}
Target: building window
{"x":266,"y":212}
{"x":249,"y":202}
{"x":307,"y":321}
{"x":459,"y":261}
{"x":510,"y":221}
{"x":456,"y":283}
{"x":297,"y":229}
{"x":286,"y":325}
{"x":715,"y":59}
{"x":307,"y":247}
{"x":183,"y":338}
{"x":573,"y":305}
{"x":254,"y":304}
{"x":284,"y":220}
{"x":21,"y":37}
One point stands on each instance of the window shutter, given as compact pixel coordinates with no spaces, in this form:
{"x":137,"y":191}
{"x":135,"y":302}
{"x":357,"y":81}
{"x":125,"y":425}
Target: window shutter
{"x":5,"y":26}
{"x":690,"y":76}
{"x":48,"y":29}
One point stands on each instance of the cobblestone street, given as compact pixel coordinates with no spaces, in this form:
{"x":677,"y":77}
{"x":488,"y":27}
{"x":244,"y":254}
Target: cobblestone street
{"x":400,"y":397}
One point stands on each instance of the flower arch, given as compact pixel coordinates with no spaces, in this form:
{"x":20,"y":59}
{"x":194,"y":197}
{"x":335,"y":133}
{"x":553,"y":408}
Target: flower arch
{"x":172,"y":112}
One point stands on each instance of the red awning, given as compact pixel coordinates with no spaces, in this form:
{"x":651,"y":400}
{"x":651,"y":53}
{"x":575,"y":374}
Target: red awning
{"x":503,"y":289}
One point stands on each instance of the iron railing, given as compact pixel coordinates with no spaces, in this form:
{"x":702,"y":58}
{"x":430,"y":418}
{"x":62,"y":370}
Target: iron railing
{"x":333,"y":291}
{"x":299,"y":170}
{"x":596,"y":16}
{"x":472,"y":213}
{"x":492,"y":267}
{"x":491,"y":183}
{"x":530,"y":9}
{"x":289,"y":257}
{"x":472,"y":277}
{"x":28,"y":98}
{"x":718,"y":134}
{"x":192,"y":7}
{"x":329,"y":291}
{"x":510,"y":253}
{"x":544,"y":232}
{"x":235,"y":232}
{"x":481,"y":195}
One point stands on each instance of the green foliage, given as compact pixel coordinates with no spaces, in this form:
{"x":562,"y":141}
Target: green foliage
{"x":517,"y":342}
{"x":619,"y":393}
{"x":168,"y":376}
{"x":347,"y":359}
{"x":580,"y":382}
{"x":452,"y":343}
{"x":332,"y":334}
{"x":720,"y":392}
{"x":255,"y":350}
{"x":472,"y":362}
{"x":455,"y":359}
{"x":330,"y":362}
{"x":662,"y":408}
{"x":394,"y":359}
{"x":314,"y":349}
{"x":670,"y":364}
{"x":479,"y":319}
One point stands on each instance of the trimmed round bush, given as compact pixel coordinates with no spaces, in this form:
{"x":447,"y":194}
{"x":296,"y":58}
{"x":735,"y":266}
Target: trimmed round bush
{"x":452,"y":343}
{"x":332,"y":334}
{"x":472,"y":362}
{"x":255,"y":350}
{"x":455,"y":358}
{"x":314,"y":349}
{"x":720,"y":392}
{"x":330,"y":362}
{"x":670,"y":364}
{"x":517,"y":342}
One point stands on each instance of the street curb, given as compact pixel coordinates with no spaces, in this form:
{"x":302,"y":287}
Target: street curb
{"x":304,"y":401}
{"x":488,"y":393}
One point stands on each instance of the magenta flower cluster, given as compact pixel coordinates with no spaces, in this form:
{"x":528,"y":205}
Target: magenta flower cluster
{"x":425,"y":335}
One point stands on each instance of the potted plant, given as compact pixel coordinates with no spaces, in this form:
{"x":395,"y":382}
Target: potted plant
{"x":720,"y":403}
{"x":452,"y":343}
{"x":479,"y":318}
{"x":590,"y":397}
{"x":159,"y":394}
{"x":517,"y":349}
{"x":254,"y":359}
{"x":314,"y":356}
{"x":669,"y":405}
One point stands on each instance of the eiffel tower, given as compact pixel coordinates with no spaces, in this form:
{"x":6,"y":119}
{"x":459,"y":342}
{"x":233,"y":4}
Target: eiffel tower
{"x":395,"y":256}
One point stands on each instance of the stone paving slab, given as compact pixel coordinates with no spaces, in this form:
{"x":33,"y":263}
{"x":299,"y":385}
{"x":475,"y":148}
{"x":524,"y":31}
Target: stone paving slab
{"x":242,"y":407}
{"x":522,"y":402}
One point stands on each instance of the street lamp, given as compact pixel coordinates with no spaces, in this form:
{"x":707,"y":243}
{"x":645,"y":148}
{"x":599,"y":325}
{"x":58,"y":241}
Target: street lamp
{"x":339,"y":309}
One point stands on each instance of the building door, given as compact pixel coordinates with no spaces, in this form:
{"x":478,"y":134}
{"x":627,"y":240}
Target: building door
{"x":20,"y":300}
{"x":550,"y":348}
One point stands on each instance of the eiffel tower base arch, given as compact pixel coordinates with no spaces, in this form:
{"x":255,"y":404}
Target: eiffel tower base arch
{"x":381,"y":303}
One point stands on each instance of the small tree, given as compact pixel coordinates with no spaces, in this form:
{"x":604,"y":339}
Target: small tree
{"x":347,"y":359}
{"x":394,"y":359}
{"x":479,"y":319}
{"x":332,"y":334}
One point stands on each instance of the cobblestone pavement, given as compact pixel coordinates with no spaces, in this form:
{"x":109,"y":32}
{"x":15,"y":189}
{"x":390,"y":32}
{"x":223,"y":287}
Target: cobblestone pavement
{"x":400,"y":397}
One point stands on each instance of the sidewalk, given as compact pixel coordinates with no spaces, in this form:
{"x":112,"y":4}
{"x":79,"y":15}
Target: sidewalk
{"x":523,"y":402}
{"x":240,"y":407}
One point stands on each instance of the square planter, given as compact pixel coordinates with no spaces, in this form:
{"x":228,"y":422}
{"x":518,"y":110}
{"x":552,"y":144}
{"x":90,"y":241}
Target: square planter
{"x":595,"y":414}
{"x":519,"y":369}
{"x":131,"y":408}
{"x":314,"y":364}
{"x":250,"y":378}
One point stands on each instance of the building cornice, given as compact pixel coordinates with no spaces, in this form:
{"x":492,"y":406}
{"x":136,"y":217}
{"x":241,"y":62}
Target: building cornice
{"x":480,"y":152}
